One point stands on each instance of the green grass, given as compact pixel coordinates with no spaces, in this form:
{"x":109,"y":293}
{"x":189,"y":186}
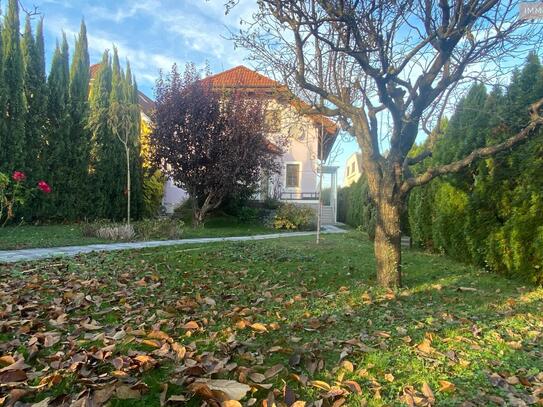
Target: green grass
{"x":318,"y":303}
{"x":27,"y":236}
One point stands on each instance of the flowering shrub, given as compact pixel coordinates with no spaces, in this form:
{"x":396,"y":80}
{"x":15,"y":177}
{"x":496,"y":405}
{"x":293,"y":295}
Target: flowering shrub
{"x":14,"y":192}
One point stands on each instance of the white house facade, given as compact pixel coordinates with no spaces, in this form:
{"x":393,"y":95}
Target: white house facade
{"x":308,"y":136}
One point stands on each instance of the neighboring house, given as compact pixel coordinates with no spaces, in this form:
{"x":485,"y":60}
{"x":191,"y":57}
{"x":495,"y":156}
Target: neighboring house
{"x":353,"y":169}
{"x":286,"y":117}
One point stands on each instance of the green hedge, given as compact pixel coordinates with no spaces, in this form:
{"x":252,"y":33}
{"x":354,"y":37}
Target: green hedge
{"x":491,"y":214}
{"x":355,"y":207}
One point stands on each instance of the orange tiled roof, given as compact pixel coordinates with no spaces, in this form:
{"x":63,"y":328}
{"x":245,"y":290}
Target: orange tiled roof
{"x":243,"y":77}
{"x":94,"y":70}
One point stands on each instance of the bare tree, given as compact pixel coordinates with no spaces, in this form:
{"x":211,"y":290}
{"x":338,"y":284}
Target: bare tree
{"x":124,"y":126}
{"x":386,"y":69}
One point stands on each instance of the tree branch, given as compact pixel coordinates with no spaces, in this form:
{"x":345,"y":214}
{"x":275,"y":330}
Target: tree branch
{"x":536,"y":121}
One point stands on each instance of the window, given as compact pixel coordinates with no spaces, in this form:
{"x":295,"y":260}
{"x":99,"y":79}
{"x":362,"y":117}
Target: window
{"x":293,"y":176}
{"x":272,"y":120}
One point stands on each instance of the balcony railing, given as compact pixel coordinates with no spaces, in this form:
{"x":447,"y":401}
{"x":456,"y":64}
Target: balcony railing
{"x":299,"y":196}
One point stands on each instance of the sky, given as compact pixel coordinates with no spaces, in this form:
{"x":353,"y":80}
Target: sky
{"x":155,"y":34}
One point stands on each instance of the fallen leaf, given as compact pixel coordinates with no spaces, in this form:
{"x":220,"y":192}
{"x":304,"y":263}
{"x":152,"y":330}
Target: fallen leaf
{"x":446,"y":387}
{"x":191,"y":325}
{"x":259,"y":327}
{"x":389,"y":377}
{"x":233,"y":389}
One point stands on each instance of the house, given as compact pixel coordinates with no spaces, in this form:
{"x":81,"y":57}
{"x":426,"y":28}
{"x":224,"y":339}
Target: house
{"x":353,"y":169}
{"x":309,"y":136}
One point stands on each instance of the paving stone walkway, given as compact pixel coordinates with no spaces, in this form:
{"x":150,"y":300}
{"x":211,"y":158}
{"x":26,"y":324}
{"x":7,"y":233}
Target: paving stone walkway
{"x":12,"y":256}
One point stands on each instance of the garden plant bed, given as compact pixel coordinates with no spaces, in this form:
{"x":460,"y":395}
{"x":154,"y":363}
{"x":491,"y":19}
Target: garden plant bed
{"x":283,"y":320}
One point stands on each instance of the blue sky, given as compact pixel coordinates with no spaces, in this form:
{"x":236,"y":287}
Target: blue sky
{"x":153,"y":34}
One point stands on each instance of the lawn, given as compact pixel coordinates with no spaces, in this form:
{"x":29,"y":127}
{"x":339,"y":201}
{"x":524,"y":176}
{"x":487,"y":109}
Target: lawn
{"x":28,"y":236}
{"x":283,"y":321}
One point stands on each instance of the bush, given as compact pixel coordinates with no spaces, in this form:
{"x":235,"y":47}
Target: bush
{"x":159,"y":229}
{"x":153,"y":191}
{"x":290,"y":216}
{"x":108,"y":231}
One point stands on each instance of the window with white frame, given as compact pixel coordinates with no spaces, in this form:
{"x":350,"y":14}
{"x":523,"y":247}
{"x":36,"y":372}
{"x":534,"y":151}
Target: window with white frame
{"x":292,"y":175}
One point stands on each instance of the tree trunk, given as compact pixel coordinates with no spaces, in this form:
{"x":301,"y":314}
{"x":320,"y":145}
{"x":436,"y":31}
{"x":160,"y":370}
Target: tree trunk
{"x":387,"y":243}
{"x":197,"y":215}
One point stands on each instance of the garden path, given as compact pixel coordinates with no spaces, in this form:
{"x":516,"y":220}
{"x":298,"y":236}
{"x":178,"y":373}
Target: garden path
{"x":12,"y":256}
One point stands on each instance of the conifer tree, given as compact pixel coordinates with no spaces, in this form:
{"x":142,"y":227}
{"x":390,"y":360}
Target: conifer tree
{"x":58,"y":154}
{"x":79,"y":133}
{"x":40,"y":49}
{"x":12,"y":150}
{"x":3,"y":139}
{"x":113,"y":169}
{"x":36,"y":99}
{"x":97,"y":125}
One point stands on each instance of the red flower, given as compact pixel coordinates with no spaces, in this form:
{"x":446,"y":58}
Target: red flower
{"x":18,"y":176}
{"x":44,"y":187}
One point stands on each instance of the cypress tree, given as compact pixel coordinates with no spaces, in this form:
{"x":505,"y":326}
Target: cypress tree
{"x":101,"y":135}
{"x":58,"y":154}
{"x":137,"y":161}
{"x":79,"y":133}
{"x":3,"y":139}
{"x":13,"y":148}
{"x":36,"y":98}
{"x":113,"y":174}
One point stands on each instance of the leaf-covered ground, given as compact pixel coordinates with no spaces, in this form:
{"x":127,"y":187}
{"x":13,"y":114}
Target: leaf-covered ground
{"x":267,"y":323}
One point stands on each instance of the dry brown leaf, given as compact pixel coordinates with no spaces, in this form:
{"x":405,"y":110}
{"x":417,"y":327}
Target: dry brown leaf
{"x":427,"y":391}
{"x":353,"y":386}
{"x":180,"y":350}
{"x":425,"y":346}
{"x":389,"y":377}
{"x":191,"y":325}
{"x":446,"y":387}
{"x":257,"y":377}
{"x":151,"y":343}
{"x":348,"y":366}
{"x":320,"y":385}
{"x":258,"y":327}
{"x":177,"y":399}
{"x":161,"y":336}
{"x":7,"y":360}
{"x":272,"y":371}
{"x":231,"y":388}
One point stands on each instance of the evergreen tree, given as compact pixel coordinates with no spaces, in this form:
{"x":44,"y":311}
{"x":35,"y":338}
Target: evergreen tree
{"x":97,"y":124}
{"x":79,"y":133}
{"x":59,"y":155}
{"x":491,"y":215}
{"x":40,"y":49}
{"x":36,"y":98}
{"x":12,"y":146}
{"x":131,"y":91}
{"x":3,"y":135}
{"x":113,"y":174}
